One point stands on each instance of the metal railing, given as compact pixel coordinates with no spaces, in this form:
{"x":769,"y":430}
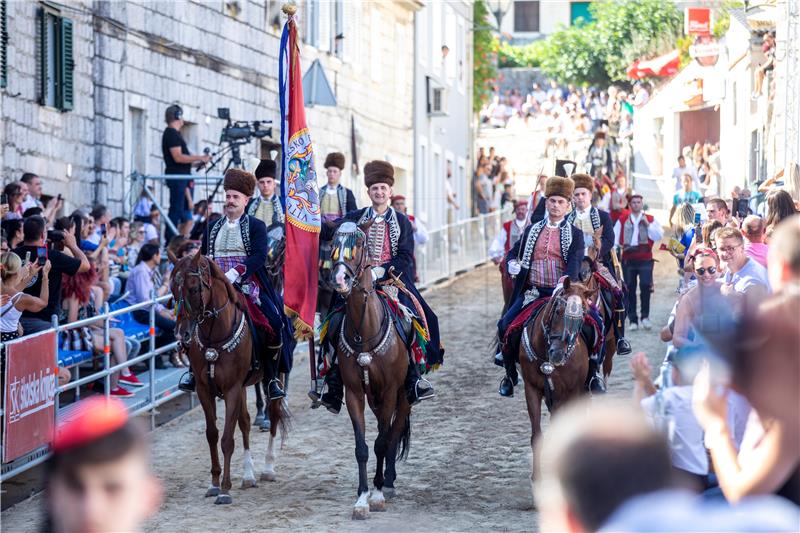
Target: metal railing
{"x":456,"y":247}
{"x":137,"y":406}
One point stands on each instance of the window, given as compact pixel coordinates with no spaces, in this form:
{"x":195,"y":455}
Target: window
{"x":400,"y":78}
{"x":311,"y":32}
{"x":3,"y":43}
{"x":449,"y":60}
{"x":338,"y":28}
{"x":56,"y":60}
{"x":526,"y":16}
{"x":460,"y":52}
{"x":352,"y":36}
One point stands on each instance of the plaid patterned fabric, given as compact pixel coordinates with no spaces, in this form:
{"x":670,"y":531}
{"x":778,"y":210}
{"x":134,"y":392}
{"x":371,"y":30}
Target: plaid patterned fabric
{"x":250,"y":288}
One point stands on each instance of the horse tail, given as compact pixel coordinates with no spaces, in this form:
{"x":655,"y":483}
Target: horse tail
{"x":404,"y":446}
{"x":280,"y":418}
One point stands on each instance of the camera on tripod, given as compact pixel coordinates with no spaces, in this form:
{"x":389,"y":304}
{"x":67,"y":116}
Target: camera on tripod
{"x":241,"y":131}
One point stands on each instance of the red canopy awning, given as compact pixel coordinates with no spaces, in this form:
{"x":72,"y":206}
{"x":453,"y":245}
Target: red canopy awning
{"x":660,"y":66}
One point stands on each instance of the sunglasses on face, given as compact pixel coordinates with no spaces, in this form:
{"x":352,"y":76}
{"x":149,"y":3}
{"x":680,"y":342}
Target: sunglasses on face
{"x":728,"y":249}
{"x":711,"y":270}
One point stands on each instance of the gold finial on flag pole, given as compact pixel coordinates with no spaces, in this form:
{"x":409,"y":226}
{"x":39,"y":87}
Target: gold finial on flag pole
{"x":289,"y":8}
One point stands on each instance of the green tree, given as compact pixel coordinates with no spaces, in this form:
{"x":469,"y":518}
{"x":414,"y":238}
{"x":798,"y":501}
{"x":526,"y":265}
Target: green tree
{"x":483,"y":54}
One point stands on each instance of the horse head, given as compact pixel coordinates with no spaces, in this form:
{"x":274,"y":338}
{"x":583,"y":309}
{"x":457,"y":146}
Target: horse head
{"x":563,"y":324}
{"x":192,"y":283}
{"x":276,"y":244}
{"x":349,"y":256}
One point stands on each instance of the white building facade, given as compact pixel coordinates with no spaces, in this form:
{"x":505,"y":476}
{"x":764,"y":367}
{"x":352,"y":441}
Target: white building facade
{"x":442,"y":111}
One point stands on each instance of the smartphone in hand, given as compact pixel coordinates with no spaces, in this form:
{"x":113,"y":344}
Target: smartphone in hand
{"x":41,"y":255}
{"x":103,"y":230}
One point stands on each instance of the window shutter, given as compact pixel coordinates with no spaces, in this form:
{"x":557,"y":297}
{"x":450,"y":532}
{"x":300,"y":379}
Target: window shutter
{"x":325,"y":23}
{"x":42,"y":57}
{"x":66,"y":81}
{"x":3,"y":43}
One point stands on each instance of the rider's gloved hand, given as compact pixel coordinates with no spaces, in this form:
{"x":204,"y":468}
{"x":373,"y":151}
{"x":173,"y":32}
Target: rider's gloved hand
{"x":232,"y":275}
{"x":514,"y":267}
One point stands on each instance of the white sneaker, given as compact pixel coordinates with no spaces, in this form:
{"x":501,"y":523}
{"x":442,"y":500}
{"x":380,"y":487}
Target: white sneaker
{"x":646,"y":324}
{"x":633,"y":326}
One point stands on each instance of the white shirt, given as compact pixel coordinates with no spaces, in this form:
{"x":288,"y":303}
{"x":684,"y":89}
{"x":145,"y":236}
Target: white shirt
{"x":420,"y":233}
{"x":498,"y":247}
{"x":654,"y":231}
{"x":685,"y":434}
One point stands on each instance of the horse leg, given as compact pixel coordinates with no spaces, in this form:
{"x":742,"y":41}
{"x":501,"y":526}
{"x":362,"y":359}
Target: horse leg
{"x":259,"y":405}
{"x":209,"y":404}
{"x":399,"y":431}
{"x":249,"y":477}
{"x":233,"y":398}
{"x":377,"y":502}
{"x":533,"y":398}
{"x":355,"y":407}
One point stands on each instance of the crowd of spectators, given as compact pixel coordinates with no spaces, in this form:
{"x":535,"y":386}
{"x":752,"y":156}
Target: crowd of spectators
{"x":72,"y":265}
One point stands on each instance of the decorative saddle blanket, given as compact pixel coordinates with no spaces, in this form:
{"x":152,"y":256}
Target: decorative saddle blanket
{"x":592,"y":331}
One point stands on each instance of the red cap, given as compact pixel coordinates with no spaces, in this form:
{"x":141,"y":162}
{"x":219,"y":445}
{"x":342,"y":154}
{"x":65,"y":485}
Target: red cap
{"x":94,"y":418}
{"x":398,"y":197}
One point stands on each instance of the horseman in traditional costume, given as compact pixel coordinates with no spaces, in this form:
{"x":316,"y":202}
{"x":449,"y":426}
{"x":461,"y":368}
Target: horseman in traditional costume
{"x":549,"y":250}
{"x":390,"y":246}
{"x":510,"y":232}
{"x":598,"y":228}
{"x":237,"y":243}
{"x":266,"y":206}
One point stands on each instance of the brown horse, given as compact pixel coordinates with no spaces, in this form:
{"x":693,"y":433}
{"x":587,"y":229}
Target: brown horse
{"x":214,"y":331}
{"x":589,"y":277}
{"x":553,"y":356}
{"x":373,"y":362}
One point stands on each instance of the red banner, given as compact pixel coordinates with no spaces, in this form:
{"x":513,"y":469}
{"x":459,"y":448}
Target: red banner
{"x":300,"y":194}
{"x":697,"y":21}
{"x":29,"y":396}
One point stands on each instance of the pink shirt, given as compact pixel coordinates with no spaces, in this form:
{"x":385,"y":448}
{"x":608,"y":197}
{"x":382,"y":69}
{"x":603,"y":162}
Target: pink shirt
{"x":757,"y":251}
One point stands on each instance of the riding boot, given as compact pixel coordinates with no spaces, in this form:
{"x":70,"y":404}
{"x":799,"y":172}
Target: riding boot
{"x":332,"y":399}
{"x":274,"y":388}
{"x":417,"y":388}
{"x":511,"y":378}
{"x":618,"y":322}
{"x":596,"y":382}
{"x":187,"y":382}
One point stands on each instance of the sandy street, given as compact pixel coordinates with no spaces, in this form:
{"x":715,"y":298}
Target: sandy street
{"x":469,"y":463}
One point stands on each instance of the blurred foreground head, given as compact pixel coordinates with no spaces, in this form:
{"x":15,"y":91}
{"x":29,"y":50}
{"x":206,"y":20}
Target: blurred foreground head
{"x":593,"y":458}
{"x":783,"y":260}
{"x":99,"y":478}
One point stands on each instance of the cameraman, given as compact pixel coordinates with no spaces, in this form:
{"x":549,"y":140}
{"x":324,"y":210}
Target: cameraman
{"x":177,"y":160}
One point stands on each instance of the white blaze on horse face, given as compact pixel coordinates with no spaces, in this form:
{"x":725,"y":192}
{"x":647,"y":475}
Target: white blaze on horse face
{"x":340,"y":273}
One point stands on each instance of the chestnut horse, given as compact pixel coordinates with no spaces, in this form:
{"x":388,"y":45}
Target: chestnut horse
{"x":589,"y":277}
{"x":553,"y":356}
{"x":373,"y":362}
{"x":213,"y":330}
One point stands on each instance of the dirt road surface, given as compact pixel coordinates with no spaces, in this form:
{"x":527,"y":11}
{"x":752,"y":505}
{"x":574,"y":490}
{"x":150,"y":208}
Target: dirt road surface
{"x":469,"y":463}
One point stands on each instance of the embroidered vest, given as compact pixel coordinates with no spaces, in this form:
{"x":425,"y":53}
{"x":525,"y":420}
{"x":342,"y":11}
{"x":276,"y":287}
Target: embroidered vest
{"x":565,"y":239}
{"x":391,"y":223}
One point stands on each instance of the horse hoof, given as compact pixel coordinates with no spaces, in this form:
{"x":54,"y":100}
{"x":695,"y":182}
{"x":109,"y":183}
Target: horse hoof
{"x":249,"y":483}
{"x":360,"y":512}
{"x":212,"y":491}
{"x":265,"y":425}
{"x":377,"y":505}
{"x":223,"y":499}
{"x":388,"y":492}
{"x":268,"y":476}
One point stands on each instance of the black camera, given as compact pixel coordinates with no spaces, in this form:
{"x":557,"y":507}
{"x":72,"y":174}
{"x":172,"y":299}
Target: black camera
{"x":241,"y":131}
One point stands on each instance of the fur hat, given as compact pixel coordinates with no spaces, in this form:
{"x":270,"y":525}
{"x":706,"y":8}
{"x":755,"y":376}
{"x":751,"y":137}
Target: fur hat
{"x":583,"y":181}
{"x":266,"y":169}
{"x":240,"y":180}
{"x":378,"y":172}
{"x":335,"y":159}
{"x":557,"y":186}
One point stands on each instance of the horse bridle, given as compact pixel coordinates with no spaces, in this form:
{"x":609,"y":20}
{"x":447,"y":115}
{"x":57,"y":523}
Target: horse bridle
{"x":364,"y":358}
{"x":569,"y":334}
{"x":226,"y":344}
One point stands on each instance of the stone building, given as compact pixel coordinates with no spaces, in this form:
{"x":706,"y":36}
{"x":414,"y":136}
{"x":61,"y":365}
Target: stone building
{"x":87,"y":84}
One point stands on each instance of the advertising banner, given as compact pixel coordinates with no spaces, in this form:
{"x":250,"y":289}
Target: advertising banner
{"x":697,"y":21}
